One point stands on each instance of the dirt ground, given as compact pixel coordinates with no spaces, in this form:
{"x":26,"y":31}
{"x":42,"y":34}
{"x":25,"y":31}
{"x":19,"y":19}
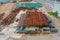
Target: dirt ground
{"x":7,"y":9}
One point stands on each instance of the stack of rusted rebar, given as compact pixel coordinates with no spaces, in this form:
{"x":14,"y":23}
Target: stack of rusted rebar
{"x":1,"y":16}
{"x":36,"y":19}
{"x":10,"y":17}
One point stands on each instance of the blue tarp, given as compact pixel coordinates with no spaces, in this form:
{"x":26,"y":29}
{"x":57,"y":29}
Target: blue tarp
{"x":29,"y":5}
